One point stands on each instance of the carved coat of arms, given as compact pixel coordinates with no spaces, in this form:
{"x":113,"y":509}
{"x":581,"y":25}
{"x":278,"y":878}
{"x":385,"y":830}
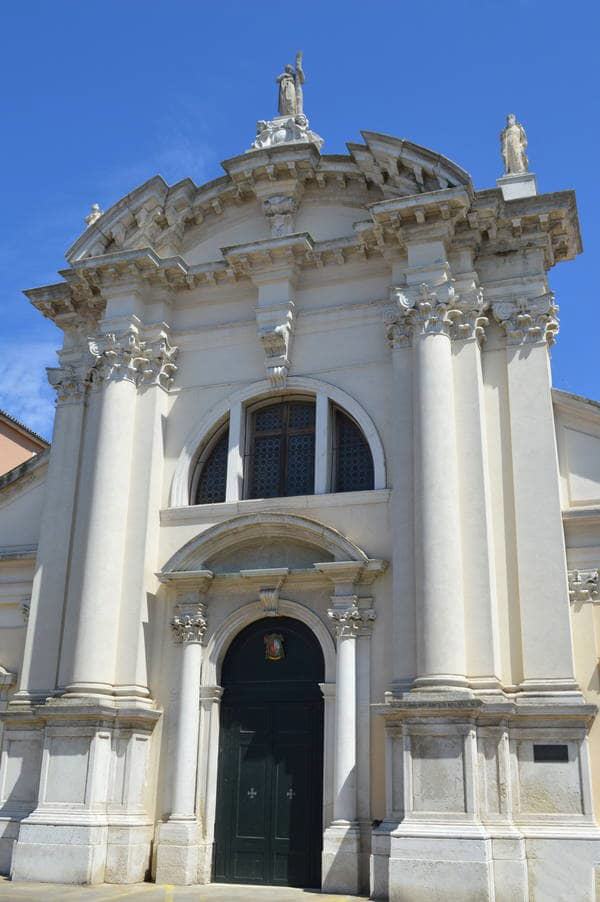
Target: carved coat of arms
{"x":274,"y":647}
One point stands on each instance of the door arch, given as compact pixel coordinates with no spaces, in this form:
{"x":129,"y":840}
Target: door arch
{"x":268,"y":827}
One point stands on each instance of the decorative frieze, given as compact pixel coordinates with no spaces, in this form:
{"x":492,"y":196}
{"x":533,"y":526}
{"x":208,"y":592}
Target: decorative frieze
{"x":528,"y":320}
{"x":584,"y":585}
{"x":189,"y":622}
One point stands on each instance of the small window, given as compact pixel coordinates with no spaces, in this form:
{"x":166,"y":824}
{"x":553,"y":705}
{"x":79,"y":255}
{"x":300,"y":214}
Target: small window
{"x":281,"y":459}
{"x":211,"y":485}
{"x":352,"y":461}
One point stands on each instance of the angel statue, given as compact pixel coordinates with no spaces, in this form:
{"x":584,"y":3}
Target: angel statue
{"x":290,"y":89}
{"x":513,"y":142}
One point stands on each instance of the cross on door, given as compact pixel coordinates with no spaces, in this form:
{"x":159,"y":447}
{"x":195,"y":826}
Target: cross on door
{"x":290,"y":793}
{"x":252,"y":792}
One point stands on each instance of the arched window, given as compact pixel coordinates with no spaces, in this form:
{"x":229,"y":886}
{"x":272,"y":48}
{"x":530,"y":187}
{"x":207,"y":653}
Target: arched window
{"x":292,"y":445}
{"x":281,"y":450}
{"x":352,"y":460}
{"x":211,"y":471}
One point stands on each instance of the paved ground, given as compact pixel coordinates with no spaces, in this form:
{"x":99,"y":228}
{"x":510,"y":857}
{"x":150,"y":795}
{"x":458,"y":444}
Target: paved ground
{"x":149,"y":892}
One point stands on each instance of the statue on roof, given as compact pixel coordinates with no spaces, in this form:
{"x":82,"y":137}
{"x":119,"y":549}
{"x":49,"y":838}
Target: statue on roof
{"x":290,"y":89}
{"x":513,"y":143}
{"x":291,"y":126}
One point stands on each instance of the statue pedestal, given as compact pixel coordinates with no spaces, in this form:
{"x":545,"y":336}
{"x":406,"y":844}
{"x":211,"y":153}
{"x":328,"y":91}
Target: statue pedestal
{"x":518,"y":184}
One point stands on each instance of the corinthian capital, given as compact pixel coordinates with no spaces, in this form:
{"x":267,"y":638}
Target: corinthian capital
{"x":424,"y":308}
{"x":70,"y":382}
{"x":528,"y":320}
{"x":584,"y":585}
{"x":350,"y":620}
{"x":467,"y":313}
{"x":143,"y":358}
{"x":189,"y":623}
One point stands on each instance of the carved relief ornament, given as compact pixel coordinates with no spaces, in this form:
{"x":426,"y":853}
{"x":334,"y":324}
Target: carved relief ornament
{"x":130,"y":357}
{"x":189,"y":622}
{"x":351,"y":621}
{"x":275,"y":330}
{"x":584,"y":585}
{"x":528,"y":320}
{"x":438,"y":308}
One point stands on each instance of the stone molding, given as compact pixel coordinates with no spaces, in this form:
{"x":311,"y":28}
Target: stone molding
{"x":584,"y":585}
{"x":189,"y":622}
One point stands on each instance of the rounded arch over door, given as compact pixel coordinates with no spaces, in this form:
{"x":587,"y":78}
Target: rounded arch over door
{"x":217,"y":415}
{"x":270,"y":779}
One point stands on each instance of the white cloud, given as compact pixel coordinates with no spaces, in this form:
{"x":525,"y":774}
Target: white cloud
{"x":24,"y":390}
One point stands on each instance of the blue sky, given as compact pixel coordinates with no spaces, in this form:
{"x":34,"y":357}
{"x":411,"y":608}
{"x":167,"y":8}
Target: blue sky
{"x":101,"y":95}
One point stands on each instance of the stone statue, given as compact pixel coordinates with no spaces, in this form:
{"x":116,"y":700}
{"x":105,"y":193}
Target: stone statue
{"x":94,"y":214}
{"x":291,"y":126}
{"x":513,"y":142}
{"x":290,"y":88}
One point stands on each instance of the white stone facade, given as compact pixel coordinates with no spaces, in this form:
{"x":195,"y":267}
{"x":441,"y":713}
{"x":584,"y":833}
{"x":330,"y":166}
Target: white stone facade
{"x":459,"y":632}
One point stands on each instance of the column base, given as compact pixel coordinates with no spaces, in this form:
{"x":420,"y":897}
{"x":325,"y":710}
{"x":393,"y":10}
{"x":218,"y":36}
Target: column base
{"x":341,"y":858}
{"x":178,"y":853}
{"x":128,"y":854}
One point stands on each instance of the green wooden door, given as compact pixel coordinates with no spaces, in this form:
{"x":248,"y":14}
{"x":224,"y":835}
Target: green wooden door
{"x":269,"y":795}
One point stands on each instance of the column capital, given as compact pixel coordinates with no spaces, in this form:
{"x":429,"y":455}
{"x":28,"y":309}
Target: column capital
{"x":189,"y":622}
{"x":134,"y":353}
{"x":349,"y":619}
{"x":440,"y":305}
{"x":528,"y":320}
{"x":69,"y":381}
{"x":584,"y":585}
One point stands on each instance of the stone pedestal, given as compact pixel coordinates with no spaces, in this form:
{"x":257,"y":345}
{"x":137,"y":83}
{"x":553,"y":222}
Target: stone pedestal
{"x":90,"y":824}
{"x":520,"y":184}
{"x":178,"y":852}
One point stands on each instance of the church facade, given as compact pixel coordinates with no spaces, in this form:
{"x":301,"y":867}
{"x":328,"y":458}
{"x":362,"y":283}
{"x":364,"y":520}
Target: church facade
{"x":306,"y":589}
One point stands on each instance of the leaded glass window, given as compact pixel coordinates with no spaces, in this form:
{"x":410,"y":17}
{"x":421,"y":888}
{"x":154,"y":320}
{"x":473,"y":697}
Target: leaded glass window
{"x":281,"y":460}
{"x":210,"y":488}
{"x":352,"y":461}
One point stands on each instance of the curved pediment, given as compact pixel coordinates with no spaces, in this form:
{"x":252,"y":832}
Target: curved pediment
{"x":266,"y":193}
{"x":243,"y":543}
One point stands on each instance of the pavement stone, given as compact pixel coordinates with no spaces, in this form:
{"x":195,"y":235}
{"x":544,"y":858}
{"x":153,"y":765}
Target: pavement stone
{"x":150,"y":892}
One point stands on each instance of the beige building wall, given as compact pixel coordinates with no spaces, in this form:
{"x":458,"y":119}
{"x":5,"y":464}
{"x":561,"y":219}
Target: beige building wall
{"x":16,"y":445}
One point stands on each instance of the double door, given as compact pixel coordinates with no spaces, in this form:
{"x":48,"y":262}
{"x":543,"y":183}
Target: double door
{"x":269,"y":795}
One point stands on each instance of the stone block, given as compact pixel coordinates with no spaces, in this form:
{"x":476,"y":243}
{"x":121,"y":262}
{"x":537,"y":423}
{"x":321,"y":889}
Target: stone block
{"x":340,"y":860}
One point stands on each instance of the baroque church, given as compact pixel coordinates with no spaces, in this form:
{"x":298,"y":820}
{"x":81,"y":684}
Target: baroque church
{"x":305,"y":591}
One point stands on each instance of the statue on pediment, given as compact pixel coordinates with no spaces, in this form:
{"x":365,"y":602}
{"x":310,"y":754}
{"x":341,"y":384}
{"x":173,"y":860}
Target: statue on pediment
{"x":290,"y":88}
{"x":513,"y":142}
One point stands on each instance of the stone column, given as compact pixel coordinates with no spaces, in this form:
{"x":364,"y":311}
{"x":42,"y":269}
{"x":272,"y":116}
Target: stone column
{"x":423,"y":307}
{"x":404,"y":639}
{"x":99,"y":547}
{"x":342,"y":846}
{"x":43,"y":639}
{"x":178,"y":852}
{"x":530,"y":325}
{"x":478,"y":561}
{"x":210,"y":701}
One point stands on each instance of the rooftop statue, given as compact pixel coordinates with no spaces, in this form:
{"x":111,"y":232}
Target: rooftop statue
{"x":290,"y":88}
{"x":291,"y":125}
{"x":513,"y":142}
